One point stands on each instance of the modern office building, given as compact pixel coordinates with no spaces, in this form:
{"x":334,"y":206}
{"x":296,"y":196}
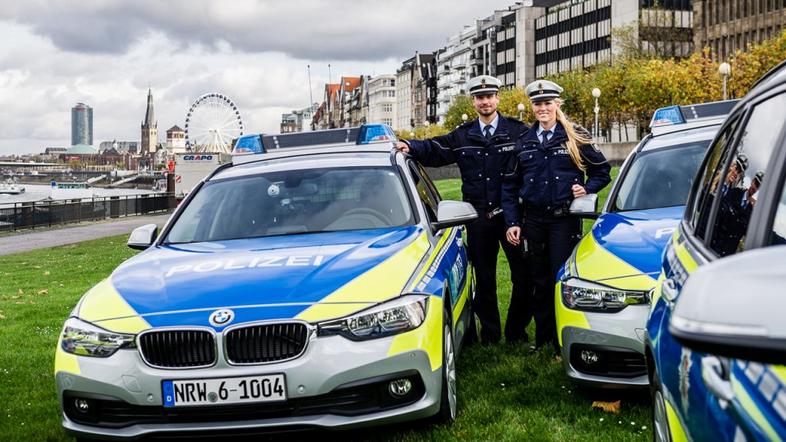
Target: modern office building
{"x":726,"y":26}
{"x":81,"y":124}
{"x":578,"y":33}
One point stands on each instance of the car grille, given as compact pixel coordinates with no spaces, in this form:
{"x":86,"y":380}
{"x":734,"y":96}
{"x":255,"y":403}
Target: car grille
{"x":178,"y":348}
{"x":612,"y":361}
{"x":266,"y":343}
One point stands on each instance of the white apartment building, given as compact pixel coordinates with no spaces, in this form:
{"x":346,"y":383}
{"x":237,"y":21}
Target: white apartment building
{"x":454,"y":68}
{"x":382,"y":106}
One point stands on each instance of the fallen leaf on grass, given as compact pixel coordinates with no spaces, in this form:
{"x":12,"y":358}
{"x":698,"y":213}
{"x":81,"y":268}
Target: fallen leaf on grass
{"x":608,"y":407}
{"x":43,"y":292}
{"x":46,"y":273}
{"x":2,"y":316}
{"x":21,"y":292}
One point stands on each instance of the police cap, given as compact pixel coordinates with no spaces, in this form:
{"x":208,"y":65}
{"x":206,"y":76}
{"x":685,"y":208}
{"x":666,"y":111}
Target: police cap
{"x":742,"y":162}
{"x":543,"y":90}
{"x":759,"y":176}
{"x":484,"y":85}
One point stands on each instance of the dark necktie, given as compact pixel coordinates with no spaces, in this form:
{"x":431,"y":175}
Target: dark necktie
{"x":487,"y":131}
{"x":545,"y":134}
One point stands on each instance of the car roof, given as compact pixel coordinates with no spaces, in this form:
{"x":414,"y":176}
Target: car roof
{"x":309,"y":159}
{"x":685,"y":135}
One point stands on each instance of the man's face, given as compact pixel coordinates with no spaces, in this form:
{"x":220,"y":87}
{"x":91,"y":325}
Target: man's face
{"x":734,"y":174}
{"x":545,"y":111}
{"x":485,"y":105}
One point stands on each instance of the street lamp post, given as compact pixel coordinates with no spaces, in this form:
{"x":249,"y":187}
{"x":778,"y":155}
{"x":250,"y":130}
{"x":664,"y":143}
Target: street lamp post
{"x":521,"y":108}
{"x":596,"y":94}
{"x":724,"y":69}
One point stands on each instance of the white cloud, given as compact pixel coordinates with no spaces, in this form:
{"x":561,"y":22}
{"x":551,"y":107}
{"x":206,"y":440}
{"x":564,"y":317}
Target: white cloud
{"x":54,"y":54}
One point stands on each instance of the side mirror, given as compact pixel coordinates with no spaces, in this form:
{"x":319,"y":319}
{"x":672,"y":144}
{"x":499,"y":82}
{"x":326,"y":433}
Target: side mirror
{"x":454,"y":213}
{"x":585,"y":206}
{"x":732,"y":307}
{"x":143,"y":237}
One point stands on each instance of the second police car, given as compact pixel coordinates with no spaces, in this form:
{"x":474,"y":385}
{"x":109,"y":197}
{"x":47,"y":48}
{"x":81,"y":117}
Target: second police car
{"x":716,"y":334}
{"x":299,"y":286}
{"x":601,"y":299}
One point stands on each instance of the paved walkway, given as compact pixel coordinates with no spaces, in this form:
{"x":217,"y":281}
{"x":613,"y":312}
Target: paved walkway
{"x":69,"y":234}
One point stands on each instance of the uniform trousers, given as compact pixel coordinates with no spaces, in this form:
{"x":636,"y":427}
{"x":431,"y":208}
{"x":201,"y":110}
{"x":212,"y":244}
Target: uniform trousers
{"x":551,"y":241}
{"x":484,"y":237}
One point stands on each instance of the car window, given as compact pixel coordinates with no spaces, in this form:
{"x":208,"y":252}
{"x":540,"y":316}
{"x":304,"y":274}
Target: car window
{"x":429,"y":183}
{"x":738,"y":190}
{"x":699,"y":207}
{"x":661,"y":177}
{"x":778,"y":232}
{"x":294,"y":201}
{"x":424,"y":193}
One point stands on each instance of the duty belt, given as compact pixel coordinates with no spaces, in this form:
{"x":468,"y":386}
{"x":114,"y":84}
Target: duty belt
{"x":493,"y":213}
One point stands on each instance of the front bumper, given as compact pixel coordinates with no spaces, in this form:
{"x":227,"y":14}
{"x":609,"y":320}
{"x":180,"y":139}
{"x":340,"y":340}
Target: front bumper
{"x":617,"y":339}
{"x":336,"y":383}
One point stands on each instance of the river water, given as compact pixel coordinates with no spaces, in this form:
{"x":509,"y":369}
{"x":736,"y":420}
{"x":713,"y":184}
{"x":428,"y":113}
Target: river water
{"x":36,"y":192}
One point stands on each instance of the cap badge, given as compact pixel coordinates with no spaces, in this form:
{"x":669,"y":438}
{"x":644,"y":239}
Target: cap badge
{"x":540,"y":88}
{"x":483,"y":82}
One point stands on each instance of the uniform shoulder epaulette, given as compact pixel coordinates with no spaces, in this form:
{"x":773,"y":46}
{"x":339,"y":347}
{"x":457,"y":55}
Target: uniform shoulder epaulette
{"x":468,"y":123}
{"x":582,"y":130}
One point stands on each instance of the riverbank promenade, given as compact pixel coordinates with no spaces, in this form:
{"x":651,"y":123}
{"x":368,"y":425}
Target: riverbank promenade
{"x":41,"y":239}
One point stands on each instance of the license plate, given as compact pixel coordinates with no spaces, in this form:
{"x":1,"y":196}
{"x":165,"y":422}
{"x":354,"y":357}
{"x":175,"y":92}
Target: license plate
{"x":248,"y":389}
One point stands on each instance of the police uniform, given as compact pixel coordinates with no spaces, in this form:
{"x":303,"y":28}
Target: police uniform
{"x":481,"y":160}
{"x":540,"y":181}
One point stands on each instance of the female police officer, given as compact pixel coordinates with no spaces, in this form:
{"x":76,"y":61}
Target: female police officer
{"x":546,"y":175}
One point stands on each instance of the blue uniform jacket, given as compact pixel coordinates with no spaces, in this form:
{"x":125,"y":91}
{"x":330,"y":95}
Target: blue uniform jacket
{"x":541,"y":175}
{"x":482,"y":162}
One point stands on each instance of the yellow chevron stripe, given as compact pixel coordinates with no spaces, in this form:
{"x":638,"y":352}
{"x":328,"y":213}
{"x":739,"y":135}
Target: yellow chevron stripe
{"x":378,"y":284}
{"x":675,"y":425}
{"x":753,"y":411}
{"x":594,"y":263}
{"x":65,"y":362}
{"x":462,"y":300}
{"x":448,"y":235}
{"x":567,"y":317}
{"x":102,"y":302}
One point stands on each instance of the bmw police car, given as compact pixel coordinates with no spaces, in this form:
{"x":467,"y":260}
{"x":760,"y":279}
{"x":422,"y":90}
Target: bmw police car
{"x":716,"y":335}
{"x":298,"y":286}
{"x":601,"y":299}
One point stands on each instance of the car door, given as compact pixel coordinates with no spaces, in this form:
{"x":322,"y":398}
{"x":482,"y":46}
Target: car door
{"x":724,"y":213}
{"x":451,"y":265}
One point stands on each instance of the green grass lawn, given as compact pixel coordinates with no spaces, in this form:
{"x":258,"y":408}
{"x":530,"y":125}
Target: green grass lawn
{"x":506,"y":394}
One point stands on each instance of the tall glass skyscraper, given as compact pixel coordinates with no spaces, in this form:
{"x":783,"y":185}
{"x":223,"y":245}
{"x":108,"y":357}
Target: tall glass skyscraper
{"x":81,"y":124}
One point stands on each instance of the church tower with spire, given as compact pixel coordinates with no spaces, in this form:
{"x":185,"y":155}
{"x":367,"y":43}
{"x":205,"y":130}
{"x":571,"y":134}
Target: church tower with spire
{"x":149,"y":128}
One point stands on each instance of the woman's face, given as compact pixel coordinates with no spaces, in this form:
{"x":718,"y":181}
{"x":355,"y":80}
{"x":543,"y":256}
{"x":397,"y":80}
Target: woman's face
{"x":545,"y":112}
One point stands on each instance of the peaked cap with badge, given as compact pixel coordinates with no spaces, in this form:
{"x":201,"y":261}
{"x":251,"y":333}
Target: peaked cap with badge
{"x":484,"y":85}
{"x":543,"y":90}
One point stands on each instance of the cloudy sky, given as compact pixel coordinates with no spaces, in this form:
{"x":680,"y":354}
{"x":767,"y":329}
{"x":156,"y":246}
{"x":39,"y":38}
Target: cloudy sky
{"x":106,"y":53}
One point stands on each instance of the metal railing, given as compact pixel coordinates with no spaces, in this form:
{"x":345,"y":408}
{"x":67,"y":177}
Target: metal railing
{"x":47,"y":213}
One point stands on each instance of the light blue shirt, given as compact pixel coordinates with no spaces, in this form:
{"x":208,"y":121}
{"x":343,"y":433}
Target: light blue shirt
{"x":493,"y":125}
{"x":540,"y":132}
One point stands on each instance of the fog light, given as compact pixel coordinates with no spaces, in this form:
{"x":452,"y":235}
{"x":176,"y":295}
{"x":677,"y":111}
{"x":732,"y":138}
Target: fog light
{"x":589,"y":357}
{"x":400,"y":387}
{"x":82,"y":405}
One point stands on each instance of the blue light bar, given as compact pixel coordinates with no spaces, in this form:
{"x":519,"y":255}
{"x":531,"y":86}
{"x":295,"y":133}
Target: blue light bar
{"x":667,"y":116}
{"x":370,"y":133}
{"x":248,"y":145}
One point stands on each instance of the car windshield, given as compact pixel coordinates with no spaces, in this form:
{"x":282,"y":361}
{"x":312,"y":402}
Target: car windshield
{"x":294,"y":201}
{"x":661,"y":177}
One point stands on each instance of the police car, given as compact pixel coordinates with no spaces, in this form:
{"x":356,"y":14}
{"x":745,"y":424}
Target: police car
{"x":316,"y":281}
{"x":601,"y":299}
{"x":716,"y":337}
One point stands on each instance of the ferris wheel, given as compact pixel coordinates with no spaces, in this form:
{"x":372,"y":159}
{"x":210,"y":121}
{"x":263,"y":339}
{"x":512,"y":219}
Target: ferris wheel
{"x":213,"y":121}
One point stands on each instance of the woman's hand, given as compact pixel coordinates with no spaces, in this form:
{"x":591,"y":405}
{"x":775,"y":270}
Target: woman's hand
{"x":578,"y":190}
{"x":513,"y":235}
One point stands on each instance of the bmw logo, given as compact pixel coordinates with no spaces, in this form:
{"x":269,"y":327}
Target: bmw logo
{"x":220,"y":318}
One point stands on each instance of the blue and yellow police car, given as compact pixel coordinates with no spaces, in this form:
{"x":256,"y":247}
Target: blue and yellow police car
{"x":716,"y":338}
{"x":601,"y":299}
{"x":318,"y":280}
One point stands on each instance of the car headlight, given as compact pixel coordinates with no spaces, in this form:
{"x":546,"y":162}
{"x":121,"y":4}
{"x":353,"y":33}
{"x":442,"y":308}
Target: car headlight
{"x":584,"y":295}
{"x":85,"y":339}
{"x":389,"y":318}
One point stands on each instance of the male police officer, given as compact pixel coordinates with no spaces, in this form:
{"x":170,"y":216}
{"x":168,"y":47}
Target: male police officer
{"x":481,"y":148}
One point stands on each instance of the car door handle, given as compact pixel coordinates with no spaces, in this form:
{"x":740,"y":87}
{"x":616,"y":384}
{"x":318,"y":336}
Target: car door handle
{"x":713,"y":377}
{"x":669,"y":290}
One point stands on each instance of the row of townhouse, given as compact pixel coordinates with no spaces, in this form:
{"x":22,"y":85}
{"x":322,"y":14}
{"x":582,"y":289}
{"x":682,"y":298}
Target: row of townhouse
{"x":536,"y":38}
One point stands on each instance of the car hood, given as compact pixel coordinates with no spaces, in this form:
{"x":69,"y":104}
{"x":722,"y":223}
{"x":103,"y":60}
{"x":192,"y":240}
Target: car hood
{"x":625,"y":248}
{"x":262,"y":278}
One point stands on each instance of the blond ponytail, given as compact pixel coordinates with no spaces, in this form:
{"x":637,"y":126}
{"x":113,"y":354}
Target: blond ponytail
{"x":574,"y":139}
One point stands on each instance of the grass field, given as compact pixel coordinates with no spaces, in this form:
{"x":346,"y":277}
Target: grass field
{"x":506,"y":394}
